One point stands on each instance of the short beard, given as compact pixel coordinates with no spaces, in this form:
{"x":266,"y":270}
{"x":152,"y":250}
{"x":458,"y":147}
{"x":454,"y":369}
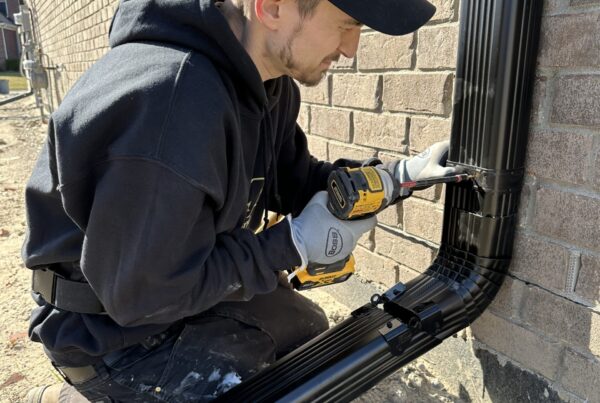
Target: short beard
{"x":287,"y":59}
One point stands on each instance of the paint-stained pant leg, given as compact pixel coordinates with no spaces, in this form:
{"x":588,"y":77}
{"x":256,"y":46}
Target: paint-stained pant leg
{"x":286,"y":315}
{"x":213,"y":352}
{"x":212,"y":355}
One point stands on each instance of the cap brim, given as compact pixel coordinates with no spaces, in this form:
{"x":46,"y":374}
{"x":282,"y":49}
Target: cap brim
{"x":392,"y":17}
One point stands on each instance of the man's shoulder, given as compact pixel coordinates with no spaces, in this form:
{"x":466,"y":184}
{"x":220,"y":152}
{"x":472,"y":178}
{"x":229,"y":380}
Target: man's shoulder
{"x":146,"y":76}
{"x":163,"y":63}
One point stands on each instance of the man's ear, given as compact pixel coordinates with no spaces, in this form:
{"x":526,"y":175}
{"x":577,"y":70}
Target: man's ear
{"x":267,"y":12}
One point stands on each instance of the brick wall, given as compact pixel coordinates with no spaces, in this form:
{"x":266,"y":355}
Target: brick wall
{"x":73,"y":35}
{"x":392,"y":101}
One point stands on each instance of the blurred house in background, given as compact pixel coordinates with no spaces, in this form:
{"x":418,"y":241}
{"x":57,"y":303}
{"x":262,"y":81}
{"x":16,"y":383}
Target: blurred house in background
{"x":10,"y":50}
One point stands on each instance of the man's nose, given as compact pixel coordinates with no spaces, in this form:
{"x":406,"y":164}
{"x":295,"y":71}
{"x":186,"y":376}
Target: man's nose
{"x":349,"y":44}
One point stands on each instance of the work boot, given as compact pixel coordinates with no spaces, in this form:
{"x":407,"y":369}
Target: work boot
{"x":44,"y":394}
{"x":58,"y":393}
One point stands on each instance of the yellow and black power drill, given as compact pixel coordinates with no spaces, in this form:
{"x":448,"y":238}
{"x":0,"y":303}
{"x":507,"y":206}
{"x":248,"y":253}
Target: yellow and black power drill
{"x":355,"y":193}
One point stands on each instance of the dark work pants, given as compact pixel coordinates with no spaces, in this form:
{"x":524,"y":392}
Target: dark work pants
{"x":212,"y":353}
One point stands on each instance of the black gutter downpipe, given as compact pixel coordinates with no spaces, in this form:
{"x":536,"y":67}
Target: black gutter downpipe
{"x":492,"y":96}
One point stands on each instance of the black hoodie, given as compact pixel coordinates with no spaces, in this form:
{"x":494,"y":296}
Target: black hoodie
{"x":158,"y":162}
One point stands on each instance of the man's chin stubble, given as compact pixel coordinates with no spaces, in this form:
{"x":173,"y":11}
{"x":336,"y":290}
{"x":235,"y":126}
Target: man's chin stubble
{"x":309,"y":81}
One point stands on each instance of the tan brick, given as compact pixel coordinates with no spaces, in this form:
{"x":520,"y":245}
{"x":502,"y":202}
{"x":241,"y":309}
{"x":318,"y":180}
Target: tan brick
{"x":595,"y":335}
{"x":577,"y":100}
{"x":424,"y":131}
{"x":423,"y":219}
{"x":435,"y":193}
{"x":375,"y":268}
{"x":568,"y":216}
{"x":583,"y":3}
{"x":318,"y":94}
{"x":356,"y":91}
{"x":391,"y":216}
{"x":367,"y":240}
{"x":540,"y":88}
{"x":447,"y":10}
{"x":405,"y":274}
{"x":540,"y":262}
{"x":595,"y":168}
{"x":570,"y":41}
{"x":588,"y":281}
{"x":558,"y":155}
{"x":338,"y":150}
{"x":381,"y":131}
{"x":387,"y":156}
{"x":557,"y":317}
{"x":414,"y":92}
{"x":344,"y":64}
{"x":519,"y":344}
{"x":318,"y":147}
{"x":378,"y":51}
{"x":580,"y":375}
{"x":526,"y":199}
{"x":331,"y":123}
{"x":437,"y":47}
{"x":402,"y":250}
{"x":508,"y":300}
{"x":303,"y":118}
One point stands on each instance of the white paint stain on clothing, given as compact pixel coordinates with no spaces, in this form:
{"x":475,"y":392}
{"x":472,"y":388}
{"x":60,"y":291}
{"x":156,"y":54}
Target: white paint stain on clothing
{"x":190,"y":379}
{"x":215,"y":376}
{"x":229,"y":381}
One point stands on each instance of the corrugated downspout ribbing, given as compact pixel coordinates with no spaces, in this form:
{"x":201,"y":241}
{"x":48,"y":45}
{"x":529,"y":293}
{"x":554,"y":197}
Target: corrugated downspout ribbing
{"x":496,"y":62}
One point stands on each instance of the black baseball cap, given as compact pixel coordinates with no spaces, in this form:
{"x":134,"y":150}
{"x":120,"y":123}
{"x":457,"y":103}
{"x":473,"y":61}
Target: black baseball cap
{"x":392,"y":17}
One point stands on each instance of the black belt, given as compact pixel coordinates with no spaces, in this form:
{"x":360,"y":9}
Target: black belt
{"x":73,"y":296}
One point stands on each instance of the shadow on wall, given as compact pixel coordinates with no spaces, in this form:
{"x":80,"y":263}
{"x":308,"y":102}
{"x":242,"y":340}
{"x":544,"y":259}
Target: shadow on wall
{"x":481,"y":376}
{"x":471,"y":369}
{"x":546,"y":333}
{"x":505,"y":382}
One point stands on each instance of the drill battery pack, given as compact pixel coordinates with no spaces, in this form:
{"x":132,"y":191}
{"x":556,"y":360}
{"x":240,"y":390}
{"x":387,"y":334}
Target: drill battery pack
{"x":316,"y":275}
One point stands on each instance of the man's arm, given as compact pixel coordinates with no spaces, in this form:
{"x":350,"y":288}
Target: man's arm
{"x":152,"y":253}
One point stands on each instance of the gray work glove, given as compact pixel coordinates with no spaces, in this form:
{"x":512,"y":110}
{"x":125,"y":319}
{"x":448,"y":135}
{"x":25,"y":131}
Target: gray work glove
{"x":429,"y":164}
{"x":322,"y":238}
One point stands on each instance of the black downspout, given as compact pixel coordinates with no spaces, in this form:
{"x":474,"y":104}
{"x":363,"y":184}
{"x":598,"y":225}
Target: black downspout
{"x":492,"y":96}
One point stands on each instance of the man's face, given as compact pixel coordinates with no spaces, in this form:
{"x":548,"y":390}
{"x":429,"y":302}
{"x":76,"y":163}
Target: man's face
{"x":307,"y":49}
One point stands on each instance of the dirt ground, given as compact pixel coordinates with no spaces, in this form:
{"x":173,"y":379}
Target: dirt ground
{"x":23,"y":364}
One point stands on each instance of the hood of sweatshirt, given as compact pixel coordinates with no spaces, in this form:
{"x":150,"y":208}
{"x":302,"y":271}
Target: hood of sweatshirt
{"x":192,"y":24}
{"x":201,"y":26}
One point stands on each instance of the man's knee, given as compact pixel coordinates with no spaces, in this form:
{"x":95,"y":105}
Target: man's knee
{"x":287,"y":316}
